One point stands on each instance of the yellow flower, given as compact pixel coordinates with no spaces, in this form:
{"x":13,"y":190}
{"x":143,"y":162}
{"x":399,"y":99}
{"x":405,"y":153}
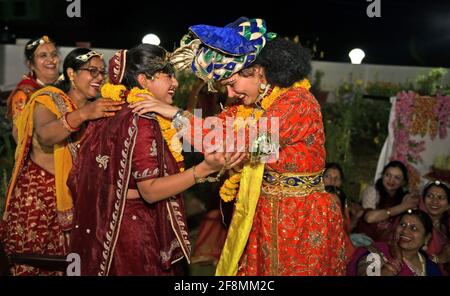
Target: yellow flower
{"x":116,"y":92}
{"x":112,"y":91}
{"x":169,"y":135}
{"x":132,"y":96}
{"x":230,"y":187}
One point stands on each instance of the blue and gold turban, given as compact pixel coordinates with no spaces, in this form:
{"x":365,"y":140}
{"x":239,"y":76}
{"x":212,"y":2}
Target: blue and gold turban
{"x":215,"y":53}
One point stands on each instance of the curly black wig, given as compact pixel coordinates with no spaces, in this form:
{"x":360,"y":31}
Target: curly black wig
{"x":284,"y":62}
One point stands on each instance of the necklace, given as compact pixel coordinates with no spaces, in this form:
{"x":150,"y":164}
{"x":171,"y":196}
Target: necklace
{"x":230,"y":187}
{"x":119,"y":92}
{"x":414,"y":269}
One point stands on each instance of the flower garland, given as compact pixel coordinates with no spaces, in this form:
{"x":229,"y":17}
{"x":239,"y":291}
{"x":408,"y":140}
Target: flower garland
{"x":230,"y":187}
{"x":120,"y":92}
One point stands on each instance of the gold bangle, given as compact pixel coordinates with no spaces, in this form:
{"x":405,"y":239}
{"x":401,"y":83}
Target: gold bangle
{"x":388,"y":212}
{"x":209,"y":179}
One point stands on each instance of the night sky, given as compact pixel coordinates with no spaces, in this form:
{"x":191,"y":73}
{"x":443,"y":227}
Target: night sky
{"x":408,"y":33}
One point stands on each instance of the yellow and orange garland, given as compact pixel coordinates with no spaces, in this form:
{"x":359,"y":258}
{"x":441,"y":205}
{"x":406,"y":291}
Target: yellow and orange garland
{"x":117,"y":93}
{"x":230,"y":187}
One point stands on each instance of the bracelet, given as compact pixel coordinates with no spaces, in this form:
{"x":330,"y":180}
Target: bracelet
{"x":199,"y":180}
{"x":388,"y":212}
{"x":181,"y":119}
{"x":66,"y":124}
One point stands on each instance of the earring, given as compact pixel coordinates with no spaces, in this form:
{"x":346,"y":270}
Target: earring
{"x":262,"y":87}
{"x":425,"y":247}
{"x":73,"y":83}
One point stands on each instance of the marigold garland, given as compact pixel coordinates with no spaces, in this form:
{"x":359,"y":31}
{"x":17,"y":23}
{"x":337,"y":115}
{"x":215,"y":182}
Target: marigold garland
{"x":119,"y":93}
{"x":230,"y":187}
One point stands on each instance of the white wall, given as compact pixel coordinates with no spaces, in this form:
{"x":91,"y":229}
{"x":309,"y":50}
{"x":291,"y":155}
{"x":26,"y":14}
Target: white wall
{"x":12,"y":63}
{"x":12,"y":67}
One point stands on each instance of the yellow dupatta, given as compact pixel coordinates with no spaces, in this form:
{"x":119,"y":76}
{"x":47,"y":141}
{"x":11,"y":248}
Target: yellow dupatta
{"x":241,"y":224}
{"x":58,"y":103}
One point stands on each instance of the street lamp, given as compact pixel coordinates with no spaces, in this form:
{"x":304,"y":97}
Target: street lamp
{"x":356,"y":55}
{"x":151,"y":39}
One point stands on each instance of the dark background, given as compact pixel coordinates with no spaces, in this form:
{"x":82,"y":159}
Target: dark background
{"x":409,"y":32}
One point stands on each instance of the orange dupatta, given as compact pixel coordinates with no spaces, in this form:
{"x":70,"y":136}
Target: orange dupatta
{"x":58,"y":103}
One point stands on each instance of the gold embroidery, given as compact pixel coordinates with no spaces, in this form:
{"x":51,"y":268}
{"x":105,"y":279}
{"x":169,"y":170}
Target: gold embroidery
{"x":274,"y":203}
{"x":102,"y":161}
{"x":288,"y":184}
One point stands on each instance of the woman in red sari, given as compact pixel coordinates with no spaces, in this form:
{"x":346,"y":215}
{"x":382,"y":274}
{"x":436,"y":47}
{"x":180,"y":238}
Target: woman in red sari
{"x":42,"y":59}
{"x":38,"y":212}
{"x":128,"y":178}
{"x":284,"y":223}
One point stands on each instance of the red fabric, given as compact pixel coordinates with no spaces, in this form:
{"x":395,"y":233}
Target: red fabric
{"x":28,"y":85}
{"x":31,"y":225}
{"x":382,"y":231}
{"x":137,"y":248}
{"x":99,"y":182}
{"x":211,"y":238}
{"x":295,"y":235}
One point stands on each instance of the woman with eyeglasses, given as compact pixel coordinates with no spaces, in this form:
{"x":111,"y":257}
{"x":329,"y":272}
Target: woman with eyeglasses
{"x":435,"y":201}
{"x":38,"y":212}
{"x":128,"y":177}
{"x":402,"y":255}
{"x":42,"y":60}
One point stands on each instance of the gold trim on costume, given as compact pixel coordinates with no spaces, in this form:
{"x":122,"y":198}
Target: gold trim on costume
{"x":291,"y":184}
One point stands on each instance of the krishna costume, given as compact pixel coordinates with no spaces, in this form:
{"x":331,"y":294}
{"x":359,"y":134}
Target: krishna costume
{"x":38,"y":203}
{"x":284,"y":223}
{"x":114,"y":235}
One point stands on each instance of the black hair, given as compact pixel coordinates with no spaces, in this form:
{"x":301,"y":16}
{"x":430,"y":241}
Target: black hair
{"x":385,"y":200}
{"x":445,"y":217}
{"x":339,"y":193}
{"x":145,"y":59}
{"x":29,"y":51}
{"x":284,"y":62}
{"x":71,"y":61}
{"x":423,"y":217}
{"x":436,"y":184}
{"x":336,"y":166}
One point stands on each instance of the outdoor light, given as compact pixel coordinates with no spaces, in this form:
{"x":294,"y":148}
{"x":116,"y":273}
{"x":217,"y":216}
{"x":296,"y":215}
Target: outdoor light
{"x":151,"y":39}
{"x":356,"y":55}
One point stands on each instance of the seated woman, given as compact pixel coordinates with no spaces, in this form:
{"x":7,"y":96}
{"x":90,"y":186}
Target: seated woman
{"x":385,"y":201}
{"x":436,"y":203}
{"x":403,"y":257}
{"x":129,"y":215}
{"x":333,"y":178}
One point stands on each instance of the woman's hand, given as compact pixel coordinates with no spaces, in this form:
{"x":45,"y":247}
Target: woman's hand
{"x":410,"y":201}
{"x":391,"y":268}
{"x":217,"y":161}
{"x":100,"y":108}
{"x":150,"y":104}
